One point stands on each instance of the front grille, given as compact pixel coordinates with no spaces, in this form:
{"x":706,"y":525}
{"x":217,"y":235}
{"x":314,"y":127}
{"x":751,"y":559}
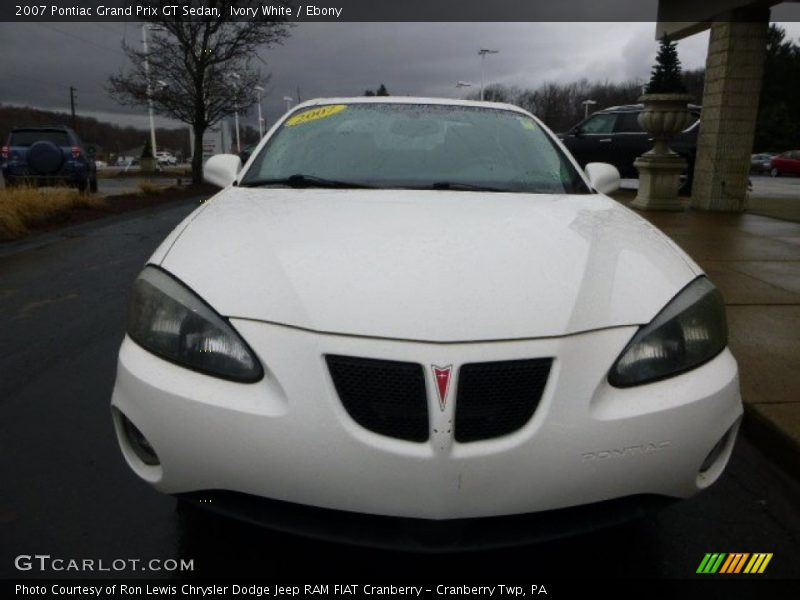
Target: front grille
{"x":497,"y":398}
{"x":384,"y":396}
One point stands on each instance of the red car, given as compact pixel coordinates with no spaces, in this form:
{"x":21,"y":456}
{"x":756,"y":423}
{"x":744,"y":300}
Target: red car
{"x":786,"y":163}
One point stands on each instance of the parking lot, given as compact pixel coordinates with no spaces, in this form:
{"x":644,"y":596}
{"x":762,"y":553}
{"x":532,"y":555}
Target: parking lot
{"x":775,"y":187}
{"x":130,"y":184}
{"x":762,"y":186}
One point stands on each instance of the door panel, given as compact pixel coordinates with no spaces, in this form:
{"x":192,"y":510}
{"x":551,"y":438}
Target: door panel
{"x":630,"y":142}
{"x":592,"y":140}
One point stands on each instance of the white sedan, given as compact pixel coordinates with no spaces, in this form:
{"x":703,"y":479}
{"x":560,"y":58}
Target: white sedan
{"x":422,"y":308}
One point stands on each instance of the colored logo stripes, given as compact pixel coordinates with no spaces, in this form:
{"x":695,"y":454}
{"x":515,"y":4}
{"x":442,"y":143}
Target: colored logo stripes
{"x":734,"y":562}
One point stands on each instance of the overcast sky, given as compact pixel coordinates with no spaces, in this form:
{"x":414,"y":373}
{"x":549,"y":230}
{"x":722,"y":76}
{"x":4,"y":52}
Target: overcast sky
{"x":41,"y":60}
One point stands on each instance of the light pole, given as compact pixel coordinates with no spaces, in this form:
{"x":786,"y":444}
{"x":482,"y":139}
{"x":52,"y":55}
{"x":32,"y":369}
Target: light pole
{"x":463,"y":84}
{"x":237,"y":77}
{"x":586,"y":105}
{"x":260,"y":90}
{"x":483,"y":52}
{"x":288,"y":100}
{"x":145,"y":27}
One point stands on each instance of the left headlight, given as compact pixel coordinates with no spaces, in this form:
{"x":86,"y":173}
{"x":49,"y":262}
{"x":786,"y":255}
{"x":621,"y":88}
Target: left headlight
{"x":688,"y":332}
{"x":168,"y":319}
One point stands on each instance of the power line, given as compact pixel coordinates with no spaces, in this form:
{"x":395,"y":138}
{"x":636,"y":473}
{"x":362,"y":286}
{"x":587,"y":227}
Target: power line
{"x":52,"y":82}
{"x":82,"y":39}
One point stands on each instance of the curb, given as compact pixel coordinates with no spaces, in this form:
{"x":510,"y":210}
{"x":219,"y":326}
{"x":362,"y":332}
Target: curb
{"x":772,"y":440}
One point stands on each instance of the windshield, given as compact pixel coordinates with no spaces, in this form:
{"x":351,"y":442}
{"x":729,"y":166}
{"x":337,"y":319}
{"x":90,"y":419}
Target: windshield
{"x":414,"y":146}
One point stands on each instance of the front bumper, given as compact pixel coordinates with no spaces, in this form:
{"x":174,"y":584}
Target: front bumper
{"x":420,"y":535}
{"x":288,"y":437}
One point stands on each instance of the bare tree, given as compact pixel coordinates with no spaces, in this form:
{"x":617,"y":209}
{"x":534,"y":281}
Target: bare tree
{"x":200,"y":70}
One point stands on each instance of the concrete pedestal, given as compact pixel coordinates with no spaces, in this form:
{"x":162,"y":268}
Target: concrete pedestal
{"x":659,"y":182}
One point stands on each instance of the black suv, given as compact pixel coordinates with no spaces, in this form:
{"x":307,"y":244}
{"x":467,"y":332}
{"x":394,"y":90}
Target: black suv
{"x":47,"y":156}
{"x":613,"y":136}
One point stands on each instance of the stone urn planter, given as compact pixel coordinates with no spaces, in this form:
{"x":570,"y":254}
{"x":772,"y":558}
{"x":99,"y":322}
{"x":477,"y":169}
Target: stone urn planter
{"x":664,"y":116}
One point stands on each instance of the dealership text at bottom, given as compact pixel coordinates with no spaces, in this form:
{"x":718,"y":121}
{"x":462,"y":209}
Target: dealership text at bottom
{"x":277,"y":590}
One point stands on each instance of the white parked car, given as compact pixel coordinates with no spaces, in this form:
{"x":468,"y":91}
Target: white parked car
{"x":423,"y":309}
{"x":166,"y":159}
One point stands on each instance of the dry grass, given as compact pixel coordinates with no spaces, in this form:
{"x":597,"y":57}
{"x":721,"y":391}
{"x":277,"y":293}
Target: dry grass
{"x":23,"y":208}
{"x":148,"y":187}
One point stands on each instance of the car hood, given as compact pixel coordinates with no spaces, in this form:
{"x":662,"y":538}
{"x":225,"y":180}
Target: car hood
{"x":440,"y":266}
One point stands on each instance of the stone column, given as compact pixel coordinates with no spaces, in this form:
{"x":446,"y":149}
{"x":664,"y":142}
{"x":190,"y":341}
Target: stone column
{"x":734,"y":69}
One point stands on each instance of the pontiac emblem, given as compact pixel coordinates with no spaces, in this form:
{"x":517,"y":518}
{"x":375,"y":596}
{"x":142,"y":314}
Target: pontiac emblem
{"x":442,"y":377}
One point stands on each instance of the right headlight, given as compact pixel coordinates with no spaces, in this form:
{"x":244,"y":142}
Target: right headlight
{"x":688,"y":332}
{"x":170,"y":320}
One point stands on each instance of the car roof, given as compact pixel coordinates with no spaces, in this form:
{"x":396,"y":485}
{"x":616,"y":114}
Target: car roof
{"x":410,"y":100}
{"x":635,"y":107}
{"x":40,"y":128}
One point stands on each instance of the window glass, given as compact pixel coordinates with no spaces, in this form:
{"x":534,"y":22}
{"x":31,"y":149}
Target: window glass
{"x":599,"y":124}
{"x":628,"y":123}
{"x":28,"y":138}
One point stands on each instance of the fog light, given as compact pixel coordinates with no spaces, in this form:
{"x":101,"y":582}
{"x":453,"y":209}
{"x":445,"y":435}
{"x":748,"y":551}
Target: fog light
{"x":715,"y":453}
{"x":139,"y":443}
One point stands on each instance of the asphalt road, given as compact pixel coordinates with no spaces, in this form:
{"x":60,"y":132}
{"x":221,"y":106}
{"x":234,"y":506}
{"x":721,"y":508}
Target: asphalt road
{"x":67,"y":492}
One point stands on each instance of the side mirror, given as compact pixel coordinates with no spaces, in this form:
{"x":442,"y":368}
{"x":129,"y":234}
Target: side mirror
{"x":221,"y":169}
{"x":576,"y":131}
{"x":91,"y":151}
{"x":603,"y":177}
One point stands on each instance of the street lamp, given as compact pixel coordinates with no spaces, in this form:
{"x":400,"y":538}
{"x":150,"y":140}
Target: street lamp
{"x":586,"y":105}
{"x":145,"y":27}
{"x":463,"y":84}
{"x":288,"y":100}
{"x":483,"y":52}
{"x":260,"y":90}
{"x":237,"y":77}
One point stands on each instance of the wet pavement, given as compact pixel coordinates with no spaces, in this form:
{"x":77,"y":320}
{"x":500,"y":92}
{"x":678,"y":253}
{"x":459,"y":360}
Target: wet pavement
{"x":67,"y":491}
{"x":755,"y":261}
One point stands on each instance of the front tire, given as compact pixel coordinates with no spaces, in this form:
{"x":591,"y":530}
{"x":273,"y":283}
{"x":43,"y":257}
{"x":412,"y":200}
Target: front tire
{"x":774,"y":172}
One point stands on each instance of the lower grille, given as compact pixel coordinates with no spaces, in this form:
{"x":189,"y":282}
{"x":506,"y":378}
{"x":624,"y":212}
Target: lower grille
{"x":384,"y":396}
{"x":497,"y":398}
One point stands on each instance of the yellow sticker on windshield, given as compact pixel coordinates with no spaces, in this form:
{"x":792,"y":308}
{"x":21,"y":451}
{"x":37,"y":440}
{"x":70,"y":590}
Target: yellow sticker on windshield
{"x":528,"y":124}
{"x":323,"y":112}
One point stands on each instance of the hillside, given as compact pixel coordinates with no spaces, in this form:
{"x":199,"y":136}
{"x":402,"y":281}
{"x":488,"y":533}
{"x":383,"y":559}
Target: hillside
{"x":106,"y":137}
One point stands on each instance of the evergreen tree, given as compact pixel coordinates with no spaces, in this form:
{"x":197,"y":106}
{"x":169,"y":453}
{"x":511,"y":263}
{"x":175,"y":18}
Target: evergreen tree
{"x":778,"y":125}
{"x":666,"y":75}
{"x":147,"y":151}
{"x":381,"y":91}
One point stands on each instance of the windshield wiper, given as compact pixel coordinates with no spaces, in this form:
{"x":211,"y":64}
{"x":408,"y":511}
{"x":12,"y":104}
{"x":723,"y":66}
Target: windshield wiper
{"x":298,"y":180}
{"x":456,"y":185}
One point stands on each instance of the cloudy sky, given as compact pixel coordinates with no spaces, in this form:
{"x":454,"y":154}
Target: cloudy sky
{"x":331,"y":59}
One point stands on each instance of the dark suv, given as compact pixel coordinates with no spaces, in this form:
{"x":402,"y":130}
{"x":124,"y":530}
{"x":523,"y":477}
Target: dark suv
{"x":47,"y":156}
{"x":613,"y":135}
